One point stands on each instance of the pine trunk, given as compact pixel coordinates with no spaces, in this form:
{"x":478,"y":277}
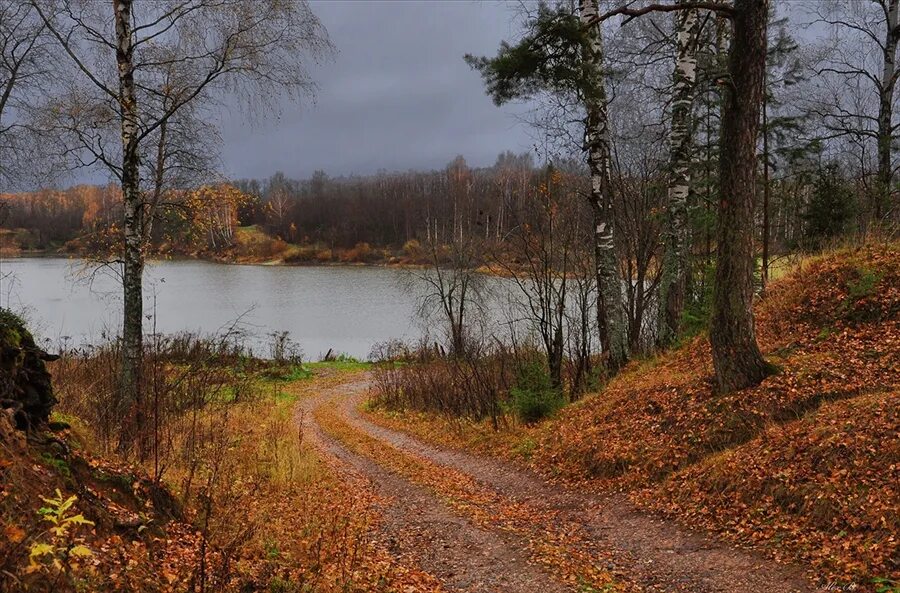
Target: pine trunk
{"x":736,"y":357}
{"x":610,"y":310}
{"x":132,"y":321}
{"x":675,"y":258}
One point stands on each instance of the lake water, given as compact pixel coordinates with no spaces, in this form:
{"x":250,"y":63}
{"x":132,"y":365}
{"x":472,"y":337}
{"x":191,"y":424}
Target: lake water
{"x":348,"y":309}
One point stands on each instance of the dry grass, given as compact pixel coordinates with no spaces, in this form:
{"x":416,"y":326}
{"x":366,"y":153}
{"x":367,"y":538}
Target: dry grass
{"x":252,"y":507}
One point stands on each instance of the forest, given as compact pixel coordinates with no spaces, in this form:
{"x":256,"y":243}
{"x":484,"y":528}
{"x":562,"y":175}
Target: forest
{"x":695,"y":388}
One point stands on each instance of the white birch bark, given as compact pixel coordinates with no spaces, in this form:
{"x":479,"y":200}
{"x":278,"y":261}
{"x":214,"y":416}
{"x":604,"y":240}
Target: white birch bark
{"x":675,"y":258}
{"x":133,"y":256}
{"x":610,"y":310}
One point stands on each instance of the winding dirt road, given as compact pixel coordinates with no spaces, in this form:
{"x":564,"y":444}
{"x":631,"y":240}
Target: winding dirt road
{"x":479,"y":524}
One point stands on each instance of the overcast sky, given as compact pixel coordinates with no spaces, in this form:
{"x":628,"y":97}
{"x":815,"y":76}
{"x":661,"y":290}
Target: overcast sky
{"x":397,"y":95}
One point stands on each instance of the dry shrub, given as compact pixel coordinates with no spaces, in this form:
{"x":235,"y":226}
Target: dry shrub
{"x":413,"y":250}
{"x":301,"y":255}
{"x":181,"y":375}
{"x":324,"y":255}
{"x":361,"y":253}
{"x":485,"y":384}
{"x":255,"y":243}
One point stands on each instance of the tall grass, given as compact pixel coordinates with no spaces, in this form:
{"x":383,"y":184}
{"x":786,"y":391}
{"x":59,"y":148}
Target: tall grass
{"x":222,"y":435}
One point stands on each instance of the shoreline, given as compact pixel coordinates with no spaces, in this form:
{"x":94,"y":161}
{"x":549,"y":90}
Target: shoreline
{"x":249,"y":261}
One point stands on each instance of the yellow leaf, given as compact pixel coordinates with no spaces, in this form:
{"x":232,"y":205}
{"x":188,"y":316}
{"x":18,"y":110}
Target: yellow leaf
{"x":80,"y":552}
{"x":38,"y":550}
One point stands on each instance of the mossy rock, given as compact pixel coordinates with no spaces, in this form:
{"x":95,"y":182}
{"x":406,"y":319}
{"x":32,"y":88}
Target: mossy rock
{"x":25,"y":386}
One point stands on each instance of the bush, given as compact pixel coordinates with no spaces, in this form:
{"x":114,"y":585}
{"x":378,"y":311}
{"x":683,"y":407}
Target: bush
{"x":533,"y":397}
{"x":425,"y":381}
{"x":300,"y":255}
{"x":323,"y":255}
{"x":412,"y":249}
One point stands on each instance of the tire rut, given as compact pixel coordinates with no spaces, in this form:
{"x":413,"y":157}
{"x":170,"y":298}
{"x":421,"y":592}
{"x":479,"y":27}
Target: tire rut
{"x":417,"y":527}
{"x":659,"y":555}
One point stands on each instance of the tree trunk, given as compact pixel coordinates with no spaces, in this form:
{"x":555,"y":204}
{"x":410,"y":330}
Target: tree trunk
{"x":736,"y":357}
{"x":767,"y":190}
{"x":610,"y":311}
{"x":132,"y":321}
{"x":675,"y":259}
{"x":885,"y":112}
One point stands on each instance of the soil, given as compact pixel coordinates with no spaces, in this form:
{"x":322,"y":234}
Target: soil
{"x":652,"y":553}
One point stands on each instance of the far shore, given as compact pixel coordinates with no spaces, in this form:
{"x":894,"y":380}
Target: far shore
{"x":246,"y":261}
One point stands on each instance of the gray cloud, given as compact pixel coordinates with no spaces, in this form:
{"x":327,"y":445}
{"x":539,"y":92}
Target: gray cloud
{"x":396,"y":96}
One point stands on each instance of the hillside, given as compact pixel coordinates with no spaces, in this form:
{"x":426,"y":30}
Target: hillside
{"x":806,"y":465}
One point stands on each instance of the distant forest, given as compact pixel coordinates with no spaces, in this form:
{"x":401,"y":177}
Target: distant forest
{"x":389,"y":209}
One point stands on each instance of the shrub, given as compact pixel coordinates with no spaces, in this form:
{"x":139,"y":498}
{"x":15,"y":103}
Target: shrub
{"x":412,"y":249}
{"x":472,"y":387}
{"x":533,"y":397}
{"x":323,"y":255}
{"x":361,"y":253}
{"x":300,"y":255}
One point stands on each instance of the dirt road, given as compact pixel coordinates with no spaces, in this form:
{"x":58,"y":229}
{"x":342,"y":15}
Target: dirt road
{"x":480,"y":524}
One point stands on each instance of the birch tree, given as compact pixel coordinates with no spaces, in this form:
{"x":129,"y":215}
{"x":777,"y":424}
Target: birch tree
{"x":677,"y":236}
{"x":562,"y":55}
{"x":151,"y":62}
{"x":610,"y":311}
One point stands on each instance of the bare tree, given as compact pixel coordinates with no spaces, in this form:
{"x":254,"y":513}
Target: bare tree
{"x":25,"y":66}
{"x":455,"y":291}
{"x":858,"y":83}
{"x":151,"y":62}
{"x":548,"y":226}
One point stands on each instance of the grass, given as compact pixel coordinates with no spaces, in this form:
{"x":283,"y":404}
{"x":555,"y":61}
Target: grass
{"x":270,"y":511}
{"x":346,"y":365}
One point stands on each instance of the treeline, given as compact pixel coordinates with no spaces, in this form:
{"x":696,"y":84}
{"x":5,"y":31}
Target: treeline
{"x":86,"y":219}
{"x":808,"y":204}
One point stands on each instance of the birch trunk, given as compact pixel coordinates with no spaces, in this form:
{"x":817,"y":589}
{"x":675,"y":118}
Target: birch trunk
{"x":737,"y":360}
{"x":885,"y":110}
{"x":133,"y":256}
{"x":675,"y":258}
{"x":610,"y":310}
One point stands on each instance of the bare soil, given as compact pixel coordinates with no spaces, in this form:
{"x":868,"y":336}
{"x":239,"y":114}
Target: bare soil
{"x":655,"y":554}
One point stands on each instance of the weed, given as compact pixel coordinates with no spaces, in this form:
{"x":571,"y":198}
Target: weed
{"x":884,"y":585}
{"x":59,"y":465}
{"x":64,"y":548}
{"x":864,"y":285}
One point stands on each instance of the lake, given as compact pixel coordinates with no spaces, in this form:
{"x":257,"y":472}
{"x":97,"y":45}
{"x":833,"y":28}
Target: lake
{"x":347,"y":309}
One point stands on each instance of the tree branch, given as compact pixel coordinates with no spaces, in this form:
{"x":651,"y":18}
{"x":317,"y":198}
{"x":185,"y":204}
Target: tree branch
{"x":726,"y":10}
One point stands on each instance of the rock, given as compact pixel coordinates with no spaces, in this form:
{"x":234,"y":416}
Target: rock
{"x":25,"y":387}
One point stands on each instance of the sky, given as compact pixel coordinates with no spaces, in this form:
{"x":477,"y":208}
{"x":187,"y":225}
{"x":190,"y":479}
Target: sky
{"x":396,"y":95}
